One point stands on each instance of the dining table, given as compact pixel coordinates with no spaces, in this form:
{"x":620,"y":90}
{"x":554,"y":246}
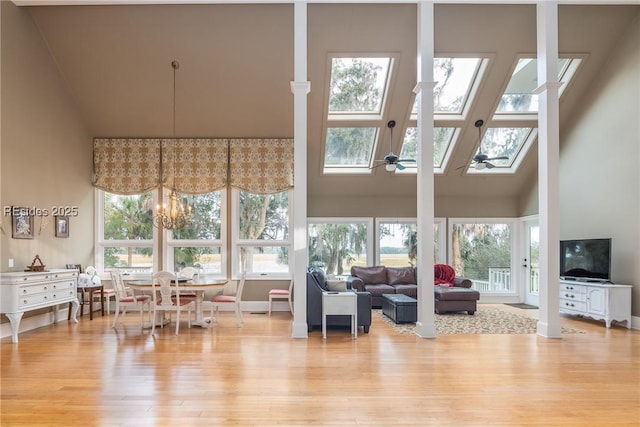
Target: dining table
{"x":198,"y":285}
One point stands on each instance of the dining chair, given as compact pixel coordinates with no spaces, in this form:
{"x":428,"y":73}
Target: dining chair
{"x":125,"y":298}
{"x":228,"y":300}
{"x":107,"y":293}
{"x":275,"y":294}
{"x":188,"y":273}
{"x":166,"y":298}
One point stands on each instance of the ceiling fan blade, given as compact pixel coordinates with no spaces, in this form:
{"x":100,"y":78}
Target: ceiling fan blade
{"x":407,"y":160}
{"x":399,"y":166}
{"x":378,"y":165}
{"x":498,"y":158}
{"x":463,"y":166}
{"x":489,"y":165}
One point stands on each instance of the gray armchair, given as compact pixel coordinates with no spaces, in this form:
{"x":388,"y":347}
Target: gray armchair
{"x":316,"y":284}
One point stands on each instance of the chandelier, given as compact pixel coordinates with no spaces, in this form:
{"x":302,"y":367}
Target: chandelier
{"x":179,"y":213}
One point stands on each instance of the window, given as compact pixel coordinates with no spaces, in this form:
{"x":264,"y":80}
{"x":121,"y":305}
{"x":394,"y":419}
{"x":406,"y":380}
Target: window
{"x":518,"y":97}
{"x":261,"y":234}
{"x":358,"y":89}
{"x":200,"y":244}
{"x":512,"y":143}
{"x":125,"y":231}
{"x":349,"y":147}
{"x":358,"y":86}
{"x":398,"y":243}
{"x":443,"y":143}
{"x":336,"y":244}
{"x":483,"y":252}
{"x":456,"y":82}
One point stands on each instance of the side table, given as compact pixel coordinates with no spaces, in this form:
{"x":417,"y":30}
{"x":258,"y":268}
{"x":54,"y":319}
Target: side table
{"x":90,"y":290}
{"x":340,"y":303}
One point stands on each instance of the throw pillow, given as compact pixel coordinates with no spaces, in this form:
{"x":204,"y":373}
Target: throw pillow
{"x":336,"y":285}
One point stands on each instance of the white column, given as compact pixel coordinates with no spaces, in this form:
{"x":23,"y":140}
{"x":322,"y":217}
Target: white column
{"x":425,"y":326}
{"x":548,"y":169}
{"x":300,"y":88}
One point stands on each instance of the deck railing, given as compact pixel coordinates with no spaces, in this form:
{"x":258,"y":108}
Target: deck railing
{"x":500,"y":281}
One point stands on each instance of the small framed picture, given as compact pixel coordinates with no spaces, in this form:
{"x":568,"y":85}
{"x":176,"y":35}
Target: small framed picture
{"x":62,"y":226}
{"x":22,"y":223}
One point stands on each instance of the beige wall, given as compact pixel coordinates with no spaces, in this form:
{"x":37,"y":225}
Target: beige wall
{"x":46,"y":152}
{"x":600,"y":163}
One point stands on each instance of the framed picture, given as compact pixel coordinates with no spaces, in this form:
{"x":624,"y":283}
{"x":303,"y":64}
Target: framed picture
{"x":21,"y":223}
{"x":75,"y":267}
{"x":62,"y":226}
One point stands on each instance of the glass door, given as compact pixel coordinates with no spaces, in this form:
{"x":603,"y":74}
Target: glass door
{"x":531,"y":262}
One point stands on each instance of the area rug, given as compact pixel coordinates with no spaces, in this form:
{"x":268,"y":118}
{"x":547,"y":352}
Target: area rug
{"x":484,"y":321}
{"x":522,"y":305}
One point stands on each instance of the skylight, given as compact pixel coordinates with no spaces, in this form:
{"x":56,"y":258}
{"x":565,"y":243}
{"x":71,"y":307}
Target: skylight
{"x":358,"y":86}
{"x":442,"y":144}
{"x":518,"y":97}
{"x":511,"y":142}
{"x":349,"y":149}
{"x":358,"y":89}
{"x":455,"y":79}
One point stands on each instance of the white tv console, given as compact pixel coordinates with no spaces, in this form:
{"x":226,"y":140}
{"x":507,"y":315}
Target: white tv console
{"x":600,"y":301}
{"x":26,"y":291}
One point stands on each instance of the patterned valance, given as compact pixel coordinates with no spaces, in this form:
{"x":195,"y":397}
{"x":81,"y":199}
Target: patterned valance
{"x":126,"y":165}
{"x":261,"y":166}
{"x":193,"y":165}
{"x":199,"y":165}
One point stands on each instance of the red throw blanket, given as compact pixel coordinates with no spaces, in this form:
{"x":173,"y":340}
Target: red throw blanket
{"x":444,"y":275}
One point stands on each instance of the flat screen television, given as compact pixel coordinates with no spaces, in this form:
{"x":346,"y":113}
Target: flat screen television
{"x":585,"y":259}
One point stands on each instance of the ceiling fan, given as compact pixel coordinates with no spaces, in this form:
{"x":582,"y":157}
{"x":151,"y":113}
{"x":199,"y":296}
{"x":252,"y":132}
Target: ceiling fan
{"x":392,"y":161}
{"x":482,"y":160}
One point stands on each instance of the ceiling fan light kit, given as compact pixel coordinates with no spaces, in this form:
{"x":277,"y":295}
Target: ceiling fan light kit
{"x":481,"y":161}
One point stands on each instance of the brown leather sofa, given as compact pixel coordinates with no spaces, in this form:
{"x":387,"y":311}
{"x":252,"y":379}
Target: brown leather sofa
{"x":379,"y":280}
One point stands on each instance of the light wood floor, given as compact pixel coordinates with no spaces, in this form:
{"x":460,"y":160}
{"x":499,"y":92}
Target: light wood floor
{"x":90,"y":374}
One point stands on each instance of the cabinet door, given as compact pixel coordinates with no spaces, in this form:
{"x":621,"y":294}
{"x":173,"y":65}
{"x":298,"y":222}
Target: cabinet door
{"x":596,"y":301}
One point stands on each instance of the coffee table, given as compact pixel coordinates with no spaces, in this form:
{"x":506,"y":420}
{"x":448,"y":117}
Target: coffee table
{"x":400,"y":308}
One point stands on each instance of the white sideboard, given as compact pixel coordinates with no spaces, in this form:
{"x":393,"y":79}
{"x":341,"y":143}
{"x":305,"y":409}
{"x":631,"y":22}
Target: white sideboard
{"x":26,"y":291}
{"x":601,"y":301}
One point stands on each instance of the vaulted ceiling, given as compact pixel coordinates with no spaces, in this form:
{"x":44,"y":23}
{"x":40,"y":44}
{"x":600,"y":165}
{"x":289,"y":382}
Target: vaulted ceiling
{"x":236,"y":65}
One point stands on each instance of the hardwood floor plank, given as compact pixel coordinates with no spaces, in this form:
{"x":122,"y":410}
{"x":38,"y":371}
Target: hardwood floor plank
{"x":90,"y":374}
